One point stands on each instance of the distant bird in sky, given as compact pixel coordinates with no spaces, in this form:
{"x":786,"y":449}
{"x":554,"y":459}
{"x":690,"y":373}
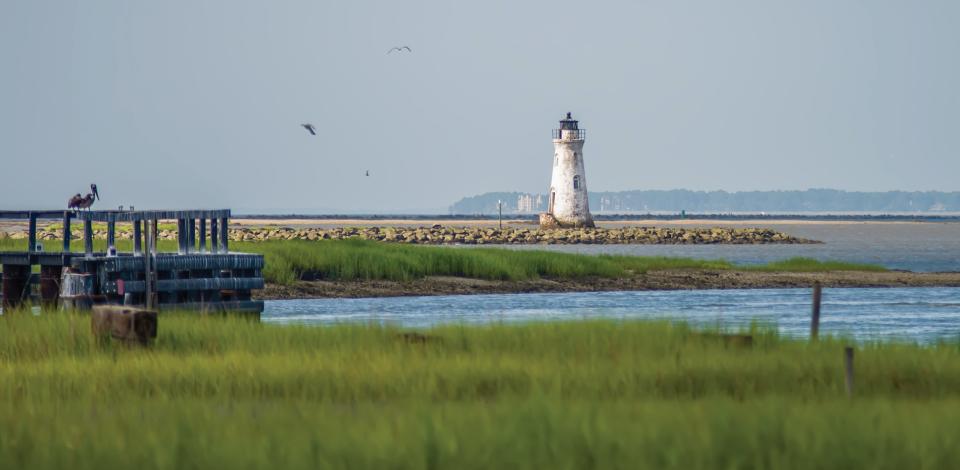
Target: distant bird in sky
{"x":399,"y":49}
{"x":368,"y":172}
{"x":309,"y":127}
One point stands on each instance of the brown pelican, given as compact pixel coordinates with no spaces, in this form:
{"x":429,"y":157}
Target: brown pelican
{"x":77,"y":202}
{"x":309,"y":127}
{"x":399,"y":49}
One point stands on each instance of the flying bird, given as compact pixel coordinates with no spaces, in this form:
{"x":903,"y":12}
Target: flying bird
{"x":399,"y":49}
{"x":309,"y":127}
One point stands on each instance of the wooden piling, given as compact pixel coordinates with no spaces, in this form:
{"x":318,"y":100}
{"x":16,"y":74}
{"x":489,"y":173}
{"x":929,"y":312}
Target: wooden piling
{"x":137,"y":237}
{"x":181,"y":236}
{"x":66,"y":230}
{"x":224,"y":235}
{"x":88,"y":237}
{"x":815,"y":316}
{"x":32,"y":235}
{"x":191,"y":235}
{"x":848,"y":368}
{"x":214,"y":235}
{"x":149,"y":264}
{"x":76,"y":290}
{"x":202,"y":232}
{"x":111,"y":233}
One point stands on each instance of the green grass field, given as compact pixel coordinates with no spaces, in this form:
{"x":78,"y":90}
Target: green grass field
{"x":287,"y":261}
{"x":219,"y":392}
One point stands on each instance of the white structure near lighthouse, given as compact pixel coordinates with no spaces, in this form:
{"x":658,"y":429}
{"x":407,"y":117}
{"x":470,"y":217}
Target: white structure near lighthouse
{"x":567,"y":204}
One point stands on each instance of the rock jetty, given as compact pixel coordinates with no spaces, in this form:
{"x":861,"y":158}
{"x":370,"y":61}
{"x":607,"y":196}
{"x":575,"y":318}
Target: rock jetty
{"x":440,"y":235}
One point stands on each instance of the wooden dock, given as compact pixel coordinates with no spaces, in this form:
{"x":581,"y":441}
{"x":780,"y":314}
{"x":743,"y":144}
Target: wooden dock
{"x":199,"y":276}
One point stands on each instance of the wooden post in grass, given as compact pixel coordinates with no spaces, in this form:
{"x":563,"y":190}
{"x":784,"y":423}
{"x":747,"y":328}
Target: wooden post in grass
{"x":815,"y":317}
{"x":848,"y":366}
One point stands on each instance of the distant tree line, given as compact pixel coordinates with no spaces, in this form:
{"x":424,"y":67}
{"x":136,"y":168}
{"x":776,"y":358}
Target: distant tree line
{"x":810,"y":200}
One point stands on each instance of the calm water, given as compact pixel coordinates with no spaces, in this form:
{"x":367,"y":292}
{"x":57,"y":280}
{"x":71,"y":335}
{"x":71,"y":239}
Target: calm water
{"x":908,"y":246}
{"x":914,"y":314}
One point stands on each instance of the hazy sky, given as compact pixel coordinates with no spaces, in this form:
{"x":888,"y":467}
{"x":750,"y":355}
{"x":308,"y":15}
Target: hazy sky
{"x":198,"y":103}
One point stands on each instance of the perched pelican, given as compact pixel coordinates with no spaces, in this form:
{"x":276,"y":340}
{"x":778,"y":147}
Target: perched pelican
{"x":309,"y":127}
{"x":77,"y":202}
{"x":399,"y":49}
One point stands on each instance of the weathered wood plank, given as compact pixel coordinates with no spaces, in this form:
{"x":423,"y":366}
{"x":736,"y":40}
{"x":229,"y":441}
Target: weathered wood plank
{"x":173,"y":262}
{"x":183,"y":285}
{"x":235,"y":306}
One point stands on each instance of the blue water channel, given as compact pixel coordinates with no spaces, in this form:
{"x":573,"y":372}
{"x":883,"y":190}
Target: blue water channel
{"x":910,"y":314}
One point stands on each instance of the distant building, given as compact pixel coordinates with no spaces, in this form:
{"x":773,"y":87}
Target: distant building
{"x":567,"y":204}
{"x":524,"y":203}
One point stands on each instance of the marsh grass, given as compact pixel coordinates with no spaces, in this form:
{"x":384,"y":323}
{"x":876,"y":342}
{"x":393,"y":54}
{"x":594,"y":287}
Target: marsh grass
{"x":228,"y":392}
{"x":290,"y":260}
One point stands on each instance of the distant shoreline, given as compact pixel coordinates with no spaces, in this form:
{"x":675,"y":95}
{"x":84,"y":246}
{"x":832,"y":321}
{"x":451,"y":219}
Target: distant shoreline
{"x":649,"y":219}
{"x":453,"y":221}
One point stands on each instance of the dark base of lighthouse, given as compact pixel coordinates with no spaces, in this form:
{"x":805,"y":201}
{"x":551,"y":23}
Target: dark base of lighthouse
{"x":548,"y":221}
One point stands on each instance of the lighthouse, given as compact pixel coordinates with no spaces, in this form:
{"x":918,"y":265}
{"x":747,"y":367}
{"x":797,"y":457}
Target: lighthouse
{"x":567,"y":204}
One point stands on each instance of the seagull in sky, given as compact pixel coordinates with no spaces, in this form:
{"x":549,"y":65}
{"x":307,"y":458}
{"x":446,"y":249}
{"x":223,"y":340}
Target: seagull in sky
{"x":309,"y":127}
{"x":399,"y":49}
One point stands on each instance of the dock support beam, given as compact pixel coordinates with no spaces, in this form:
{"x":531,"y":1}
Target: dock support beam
{"x":181,"y":236}
{"x":149,"y":264}
{"x":137,"y":237}
{"x":66,"y":231}
{"x":224,"y":235}
{"x":32,"y":236}
{"x":111,"y":233}
{"x":16,"y":285}
{"x":191,"y":235}
{"x":202,"y":231}
{"x":88,"y":237}
{"x":214,"y":236}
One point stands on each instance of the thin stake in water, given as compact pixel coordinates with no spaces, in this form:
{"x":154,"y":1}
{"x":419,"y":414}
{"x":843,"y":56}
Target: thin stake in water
{"x":815,"y":317}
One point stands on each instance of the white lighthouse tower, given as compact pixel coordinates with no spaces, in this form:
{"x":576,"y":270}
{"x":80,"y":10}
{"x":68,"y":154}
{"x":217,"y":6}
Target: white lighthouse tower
{"x":567,"y":204}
